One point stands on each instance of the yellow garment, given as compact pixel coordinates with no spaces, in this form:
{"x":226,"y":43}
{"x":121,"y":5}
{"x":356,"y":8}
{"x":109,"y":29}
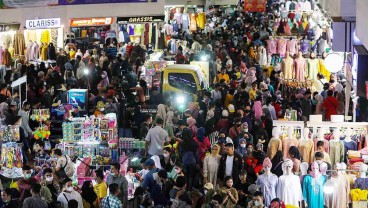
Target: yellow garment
{"x":84,"y":33}
{"x":101,"y":190}
{"x":201,"y":20}
{"x":220,"y":77}
{"x":269,"y":70}
{"x":45,"y":36}
{"x":44,"y":53}
{"x":251,"y":53}
{"x":72,"y":54}
{"x":359,"y":195}
{"x":322,"y":70}
{"x":11,"y":51}
{"x":252,"y":94}
{"x":138,"y":29}
{"x":228,"y":99}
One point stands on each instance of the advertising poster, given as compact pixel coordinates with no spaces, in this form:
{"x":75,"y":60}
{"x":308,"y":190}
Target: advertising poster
{"x":255,"y":5}
{"x":79,"y":97}
{"x":27,"y":3}
{"x":74,"y":2}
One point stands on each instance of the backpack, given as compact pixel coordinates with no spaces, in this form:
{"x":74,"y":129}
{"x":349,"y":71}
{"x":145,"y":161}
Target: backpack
{"x":188,"y":158}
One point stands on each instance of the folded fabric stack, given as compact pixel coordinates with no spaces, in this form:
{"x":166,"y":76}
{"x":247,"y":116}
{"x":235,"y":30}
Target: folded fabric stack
{"x":359,"y":198}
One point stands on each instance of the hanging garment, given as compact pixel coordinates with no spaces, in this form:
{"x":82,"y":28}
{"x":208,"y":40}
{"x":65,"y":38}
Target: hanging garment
{"x":351,"y":145}
{"x":287,"y":67}
{"x":7,"y":59}
{"x":1,"y":55}
{"x":323,"y":70}
{"x":267,"y":183}
{"x":313,"y":190}
{"x":185,"y":22}
{"x":146,"y":34}
{"x":44,"y":52}
{"x":7,"y":40}
{"x":131,"y":29}
{"x":11,"y":51}
{"x":201,"y":19}
{"x":300,"y":66}
{"x":287,"y":29}
{"x":271,"y":47}
{"x":281,"y":47}
{"x":321,"y":46}
{"x":193,"y":22}
{"x":154,"y":35}
{"x":29,"y":51}
{"x":161,"y":39}
{"x":138,"y":29}
{"x":339,"y":198}
{"x":287,"y":143}
{"x":289,"y":189}
{"x":336,"y":152}
{"x":273,"y":146}
{"x":19,"y":44}
{"x":306,"y":149}
{"x":35,"y":51}
{"x":312,"y":66}
{"x":45,"y":36}
{"x":292,"y":46}
{"x":304,"y":46}
{"x":169,"y":29}
{"x":51,"y":52}
{"x":178,"y":17}
{"x":175,"y":27}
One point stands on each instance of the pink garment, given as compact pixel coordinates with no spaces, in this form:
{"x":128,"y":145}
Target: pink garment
{"x":169,"y":29}
{"x":292,"y":47}
{"x":257,"y":109}
{"x":297,"y":6}
{"x":300,"y":67}
{"x":178,"y":18}
{"x":271,"y":47}
{"x":287,"y":29}
{"x":281,"y":47}
{"x":287,"y":143}
{"x":326,"y":145}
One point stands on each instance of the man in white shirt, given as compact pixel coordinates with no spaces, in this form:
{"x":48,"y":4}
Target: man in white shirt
{"x":232,"y":162}
{"x":156,"y":138}
{"x":68,"y":194}
{"x":216,"y":93}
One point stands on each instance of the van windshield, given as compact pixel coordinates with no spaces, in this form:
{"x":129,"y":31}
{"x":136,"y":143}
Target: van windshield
{"x":183,"y":81}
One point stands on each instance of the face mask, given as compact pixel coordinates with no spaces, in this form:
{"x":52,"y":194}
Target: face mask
{"x":257,"y":203}
{"x":250,"y":150}
{"x":27,"y":175}
{"x":112,"y":174}
{"x":101,"y":109}
{"x":243,"y":145}
{"x":70,"y":189}
{"x":166,"y":155}
{"x":245,"y":130}
{"x":103,"y":76}
{"x":177,"y":171}
{"x":6,"y":201}
{"x":49,"y":179}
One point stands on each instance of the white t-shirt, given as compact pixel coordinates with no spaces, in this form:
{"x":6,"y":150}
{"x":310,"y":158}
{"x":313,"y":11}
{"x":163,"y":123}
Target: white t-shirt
{"x":229,"y":165}
{"x":157,"y":136}
{"x":64,"y":197}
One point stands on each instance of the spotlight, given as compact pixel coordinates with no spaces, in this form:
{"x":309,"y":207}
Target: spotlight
{"x":86,"y":71}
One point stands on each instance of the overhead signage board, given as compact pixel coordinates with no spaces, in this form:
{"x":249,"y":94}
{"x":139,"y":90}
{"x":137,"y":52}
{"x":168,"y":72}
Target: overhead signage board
{"x":43,"y":23}
{"x":91,"y":22}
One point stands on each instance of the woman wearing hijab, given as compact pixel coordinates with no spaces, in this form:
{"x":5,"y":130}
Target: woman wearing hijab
{"x":157,"y":161}
{"x":203,"y":143}
{"x":88,"y":195}
{"x":105,"y":81}
{"x":295,"y":157}
{"x":161,"y":112}
{"x":242,"y":149}
{"x":211,"y":165}
{"x":277,"y":161}
{"x":192,"y":126}
{"x":319,"y":105}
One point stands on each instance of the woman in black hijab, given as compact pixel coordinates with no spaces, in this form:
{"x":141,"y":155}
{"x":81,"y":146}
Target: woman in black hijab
{"x":88,"y":195}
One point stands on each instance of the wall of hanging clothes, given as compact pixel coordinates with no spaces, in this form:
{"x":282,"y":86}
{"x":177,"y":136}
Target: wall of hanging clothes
{"x":184,"y":18}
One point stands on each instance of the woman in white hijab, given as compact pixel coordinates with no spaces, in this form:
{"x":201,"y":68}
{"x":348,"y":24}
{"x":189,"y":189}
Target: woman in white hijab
{"x":157,"y":161}
{"x":161,"y":112}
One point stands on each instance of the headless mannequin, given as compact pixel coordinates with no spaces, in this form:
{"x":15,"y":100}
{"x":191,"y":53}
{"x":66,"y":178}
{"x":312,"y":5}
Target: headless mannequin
{"x":185,"y":20}
{"x":275,"y":143}
{"x":304,"y":168}
{"x":300,"y":66}
{"x":306,"y":147}
{"x":288,"y":187}
{"x":313,"y":66}
{"x":178,"y":17}
{"x":289,"y":141}
{"x":341,"y":189}
{"x":287,"y":67}
{"x":363,"y":171}
{"x":349,"y":144}
{"x":336,"y":148}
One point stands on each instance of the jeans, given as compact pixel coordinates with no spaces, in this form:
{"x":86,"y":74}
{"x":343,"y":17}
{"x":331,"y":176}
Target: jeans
{"x":189,"y":173}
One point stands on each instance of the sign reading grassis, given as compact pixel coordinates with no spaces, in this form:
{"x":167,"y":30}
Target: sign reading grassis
{"x":43,"y":23}
{"x":140,"y":19}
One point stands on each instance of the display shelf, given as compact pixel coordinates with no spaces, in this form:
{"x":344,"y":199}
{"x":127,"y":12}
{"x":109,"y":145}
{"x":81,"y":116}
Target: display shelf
{"x":326,"y":124}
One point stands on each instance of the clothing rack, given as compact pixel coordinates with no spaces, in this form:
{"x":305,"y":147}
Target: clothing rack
{"x":326,"y":124}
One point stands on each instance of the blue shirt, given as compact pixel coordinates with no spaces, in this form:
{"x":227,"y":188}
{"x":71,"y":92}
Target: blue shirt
{"x":148,"y":181}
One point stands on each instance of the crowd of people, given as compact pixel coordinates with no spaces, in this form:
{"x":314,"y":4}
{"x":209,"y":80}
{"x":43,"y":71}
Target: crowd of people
{"x":210,"y":155}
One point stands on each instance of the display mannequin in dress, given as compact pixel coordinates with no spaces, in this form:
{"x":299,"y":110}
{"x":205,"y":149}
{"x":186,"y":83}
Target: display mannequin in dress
{"x":349,"y":144}
{"x":306,"y":147}
{"x":312,"y":66}
{"x":289,"y":141}
{"x":313,"y":187}
{"x":287,"y":67}
{"x":303,"y":171}
{"x":321,"y":137}
{"x":275,"y":143}
{"x":185,"y":20}
{"x":288,"y":187}
{"x":178,"y":17}
{"x":261,"y":56}
{"x":362,"y":181}
{"x":336,"y":148}
{"x":341,"y":189}
{"x":267,"y":182}
{"x":300,"y":66}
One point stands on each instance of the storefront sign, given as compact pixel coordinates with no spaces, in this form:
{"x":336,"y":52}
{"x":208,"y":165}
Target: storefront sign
{"x":140,"y":19}
{"x":10,"y":27}
{"x":91,"y":22}
{"x":43,"y":23}
{"x":255,"y":5}
{"x":73,"y":2}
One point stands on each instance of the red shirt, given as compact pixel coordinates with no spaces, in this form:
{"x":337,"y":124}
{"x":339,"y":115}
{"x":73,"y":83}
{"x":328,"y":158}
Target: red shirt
{"x":330,"y":104}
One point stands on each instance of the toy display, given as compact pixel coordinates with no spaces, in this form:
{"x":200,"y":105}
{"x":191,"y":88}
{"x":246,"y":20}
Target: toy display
{"x":10,"y":133}
{"x":11,"y":155}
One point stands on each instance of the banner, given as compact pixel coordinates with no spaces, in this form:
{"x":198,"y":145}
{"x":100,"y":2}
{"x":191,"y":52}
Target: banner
{"x":255,"y":5}
{"x":27,"y":3}
{"x":74,"y":2}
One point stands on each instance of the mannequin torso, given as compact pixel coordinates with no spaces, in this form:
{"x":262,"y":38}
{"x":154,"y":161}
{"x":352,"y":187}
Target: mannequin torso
{"x":289,"y":141}
{"x":306,"y":147}
{"x":288,"y":187}
{"x":336,"y":148}
{"x":275,"y":143}
{"x":300,"y":66}
{"x":287,"y":67}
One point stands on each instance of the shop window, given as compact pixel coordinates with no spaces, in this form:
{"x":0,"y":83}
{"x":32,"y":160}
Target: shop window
{"x":183,"y":81}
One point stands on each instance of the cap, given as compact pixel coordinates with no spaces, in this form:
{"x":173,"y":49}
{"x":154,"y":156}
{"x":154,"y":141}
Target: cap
{"x":208,"y":186}
{"x":231,"y":108}
{"x":149,"y":162}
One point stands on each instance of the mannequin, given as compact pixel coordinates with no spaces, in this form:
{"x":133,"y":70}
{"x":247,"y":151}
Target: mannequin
{"x":261,"y":56}
{"x":320,"y":137}
{"x":289,"y":141}
{"x":287,"y":67}
{"x":312,"y":66}
{"x":341,"y":189}
{"x":35,"y":51}
{"x":349,"y":144}
{"x":306,"y":147}
{"x":288,"y":187}
{"x":303,"y":167}
{"x":300,"y":66}
{"x":292,"y":46}
{"x":313,"y":187}
{"x":271,"y":46}
{"x":29,"y":50}
{"x":281,"y":47}
{"x":304,"y":45}
{"x":275,"y":143}
{"x":185,"y":20}
{"x":336,"y":148}
{"x":267,"y":182}
{"x":178,"y":16}
{"x":321,"y":45}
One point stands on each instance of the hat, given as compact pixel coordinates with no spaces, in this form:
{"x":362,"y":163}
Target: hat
{"x":208,"y":186}
{"x":149,"y":162}
{"x":13,"y":103}
{"x":100,"y":104}
{"x":225,"y":113}
{"x":231,"y":108}
{"x":162,"y":174}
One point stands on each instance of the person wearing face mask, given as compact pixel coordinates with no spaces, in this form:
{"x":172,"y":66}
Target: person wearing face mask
{"x":25,"y":184}
{"x":248,"y":116}
{"x":7,"y":199}
{"x":229,"y":193}
{"x":176,"y":171}
{"x":168,"y":160}
{"x":68,"y":194}
{"x":257,"y":201}
{"x":235,"y":131}
{"x":24,"y":113}
{"x":242,"y":150}
{"x":100,"y":186}
{"x":35,"y":200}
{"x":41,"y":156}
{"x":211,"y":166}
{"x":50,"y":183}
{"x":117,"y":178}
